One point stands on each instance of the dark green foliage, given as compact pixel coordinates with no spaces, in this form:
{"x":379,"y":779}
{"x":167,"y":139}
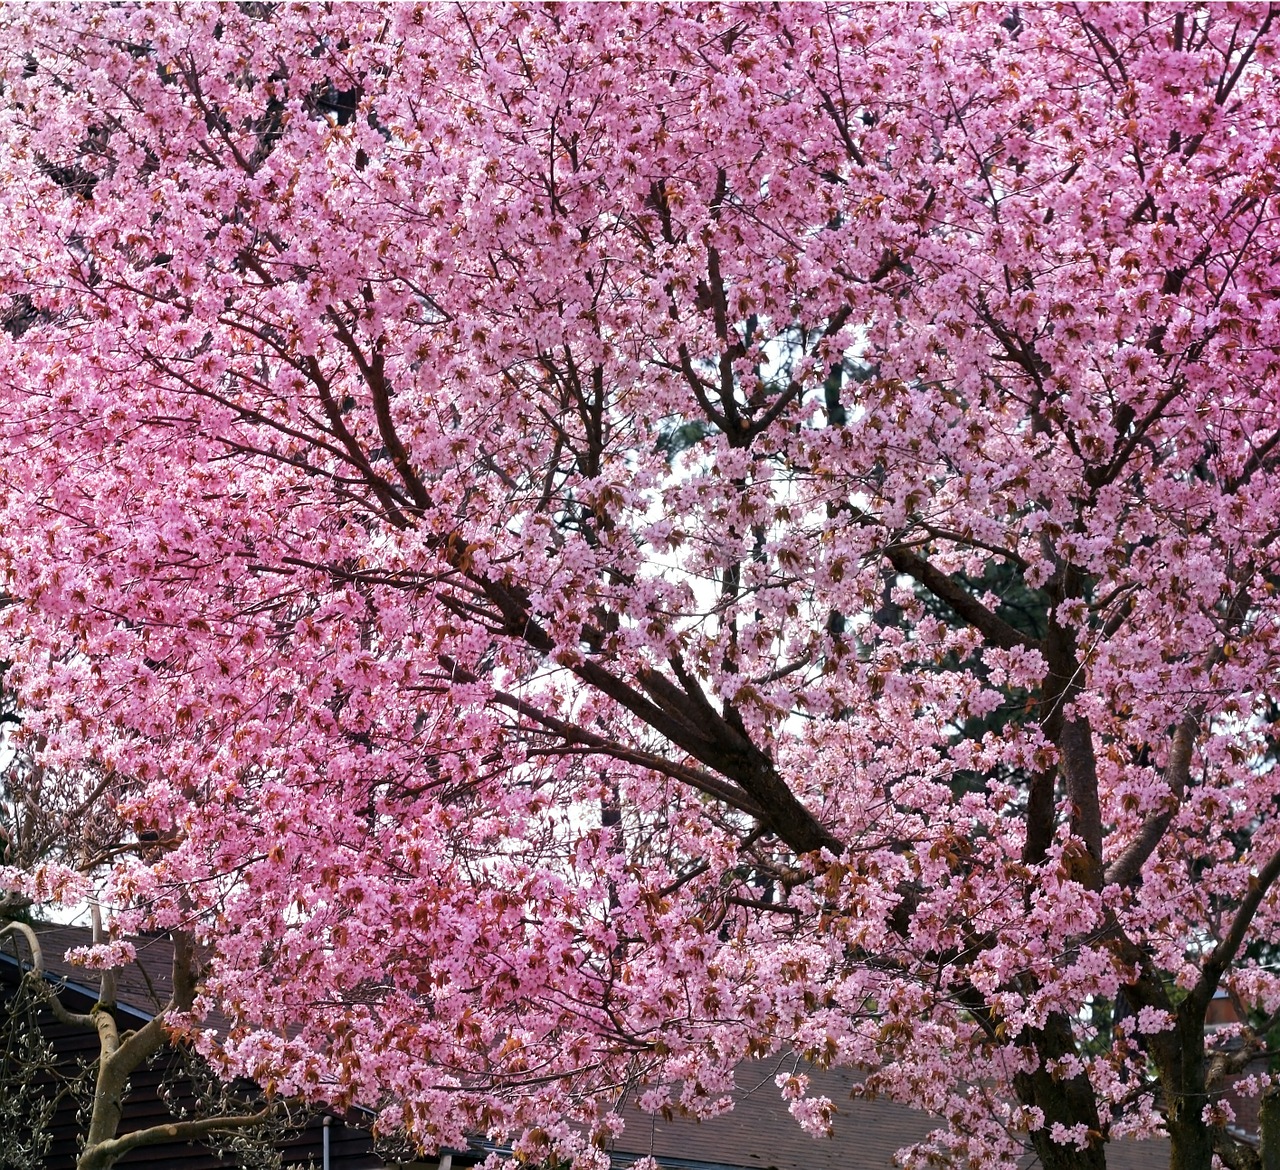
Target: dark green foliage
{"x":681,"y":436}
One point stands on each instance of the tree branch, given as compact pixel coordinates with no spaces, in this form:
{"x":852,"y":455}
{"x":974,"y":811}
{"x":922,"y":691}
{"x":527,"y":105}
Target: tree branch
{"x":39,"y":981}
{"x":1225,"y":951}
{"x":108,"y":1152}
{"x":994,"y":629}
{"x":1177,"y":775}
{"x":572,"y":734}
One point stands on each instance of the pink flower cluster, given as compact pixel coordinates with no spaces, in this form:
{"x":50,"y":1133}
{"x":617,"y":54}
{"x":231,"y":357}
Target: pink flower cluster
{"x":583,"y":545}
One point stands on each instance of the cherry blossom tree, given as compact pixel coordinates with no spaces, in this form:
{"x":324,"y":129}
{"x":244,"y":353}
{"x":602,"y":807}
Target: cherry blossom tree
{"x":608,"y":541}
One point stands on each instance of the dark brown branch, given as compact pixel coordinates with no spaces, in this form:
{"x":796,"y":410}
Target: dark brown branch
{"x":374,"y":373}
{"x":1235,"y":1154}
{"x":962,"y":603}
{"x":959,"y":538}
{"x":1227,"y":84}
{"x":1177,"y":775}
{"x":1222,"y":955}
{"x":1073,"y":737}
{"x":710,"y":740}
{"x":994,"y":629}
{"x":842,"y":126}
{"x":573,"y":734}
{"x":696,"y":778}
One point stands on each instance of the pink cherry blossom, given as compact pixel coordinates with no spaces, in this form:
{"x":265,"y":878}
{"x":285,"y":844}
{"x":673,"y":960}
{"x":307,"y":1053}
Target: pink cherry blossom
{"x":587,"y":544}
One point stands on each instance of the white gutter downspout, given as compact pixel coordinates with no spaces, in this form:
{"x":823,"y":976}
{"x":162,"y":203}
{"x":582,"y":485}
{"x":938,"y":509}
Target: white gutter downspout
{"x":324,"y":1156}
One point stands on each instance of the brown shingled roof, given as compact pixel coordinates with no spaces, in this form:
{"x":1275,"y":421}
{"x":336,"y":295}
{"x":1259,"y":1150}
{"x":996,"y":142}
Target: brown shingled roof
{"x":144,"y":985}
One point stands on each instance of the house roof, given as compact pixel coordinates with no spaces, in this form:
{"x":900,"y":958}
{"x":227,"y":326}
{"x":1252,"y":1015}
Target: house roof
{"x":759,"y":1134}
{"x":142,"y":987}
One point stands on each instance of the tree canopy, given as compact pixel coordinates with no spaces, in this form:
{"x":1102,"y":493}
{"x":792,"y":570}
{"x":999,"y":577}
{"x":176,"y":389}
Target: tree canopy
{"x":580,"y":545}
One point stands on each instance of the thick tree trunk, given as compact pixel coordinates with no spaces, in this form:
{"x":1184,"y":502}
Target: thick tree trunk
{"x":1191,"y":1140}
{"x":1066,"y":1102}
{"x":1269,"y":1130}
{"x":119,"y":1060}
{"x":1180,"y":1058}
{"x":109,"y":1090}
